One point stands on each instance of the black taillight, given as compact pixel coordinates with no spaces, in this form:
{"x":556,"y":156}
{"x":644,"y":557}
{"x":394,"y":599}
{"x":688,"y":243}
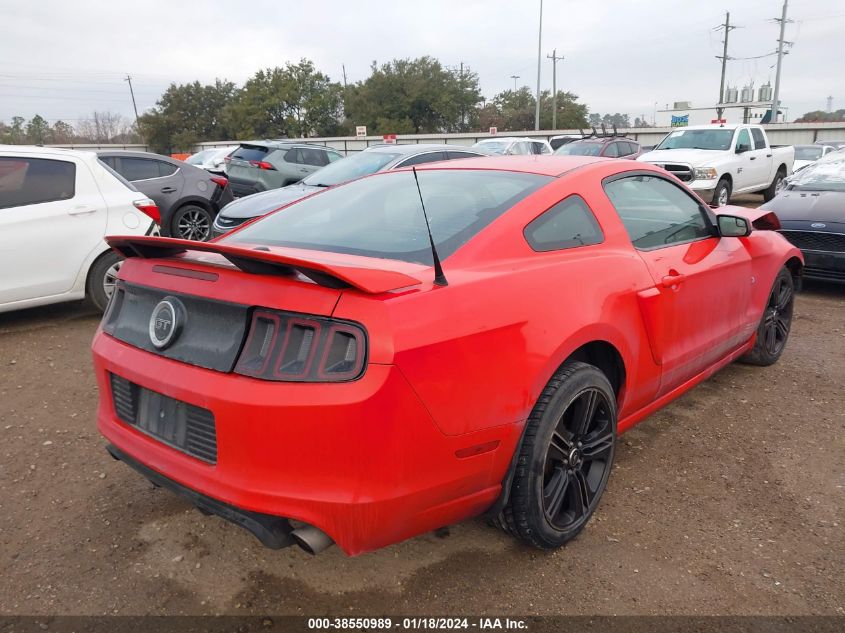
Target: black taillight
{"x":293,"y":347}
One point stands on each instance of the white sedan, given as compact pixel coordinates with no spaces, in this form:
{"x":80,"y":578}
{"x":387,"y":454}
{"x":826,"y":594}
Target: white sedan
{"x":56,"y":208}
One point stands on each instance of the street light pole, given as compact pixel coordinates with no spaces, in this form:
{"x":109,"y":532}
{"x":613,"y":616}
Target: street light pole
{"x":539,"y":61}
{"x":514,"y":77}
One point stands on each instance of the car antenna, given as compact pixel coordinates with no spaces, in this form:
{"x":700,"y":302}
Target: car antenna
{"x":439,"y":277}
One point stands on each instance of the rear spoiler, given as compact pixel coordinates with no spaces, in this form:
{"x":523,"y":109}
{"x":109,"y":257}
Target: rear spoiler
{"x":264,"y":262}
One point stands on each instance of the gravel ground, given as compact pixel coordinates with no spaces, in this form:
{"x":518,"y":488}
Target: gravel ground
{"x":729,"y":501}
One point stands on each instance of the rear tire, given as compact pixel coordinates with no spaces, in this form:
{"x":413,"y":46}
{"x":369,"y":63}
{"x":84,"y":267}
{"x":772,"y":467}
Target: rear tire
{"x":722,"y":193}
{"x":101,"y":280}
{"x":775,"y":187}
{"x":773,"y":331}
{"x":192,"y":222}
{"x":565,"y":458}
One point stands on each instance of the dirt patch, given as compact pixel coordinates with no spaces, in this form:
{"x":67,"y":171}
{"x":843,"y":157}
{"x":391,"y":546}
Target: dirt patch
{"x":729,"y":501}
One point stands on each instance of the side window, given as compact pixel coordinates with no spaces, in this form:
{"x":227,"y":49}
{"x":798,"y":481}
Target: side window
{"x":26,"y":181}
{"x":419,"y":159}
{"x":166,"y":169}
{"x":656,"y":212}
{"x":744,"y":138}
{"x":333,"y":156}
{"x":138,"y":168}
{"x":314,"y":157}
{"x":294,"y":156}
{"x":108,"y":160}
{"x":625,"y":148}
{"x":568,"y":224}
{"x":612,"y":150}
{"x":759,"y":139}
{"x":450,"y":155}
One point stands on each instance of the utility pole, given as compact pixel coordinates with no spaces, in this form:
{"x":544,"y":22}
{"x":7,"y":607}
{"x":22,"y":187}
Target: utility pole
{"x":539,"y":60}
{"x":132,"y":92}
{"x":776,"y":94}
{"x":463,"y":110}
{"x":554,"y":59}
{"x":724,"y":57}
{"x":343,"y":66}
{"x":514,"y":77}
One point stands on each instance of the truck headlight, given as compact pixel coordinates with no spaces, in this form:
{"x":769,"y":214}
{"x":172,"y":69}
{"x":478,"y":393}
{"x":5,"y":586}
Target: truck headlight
{"x":705,"y":173}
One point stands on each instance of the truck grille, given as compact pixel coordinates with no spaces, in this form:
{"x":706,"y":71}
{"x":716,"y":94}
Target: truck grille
{"x":816,"y":241}
{"x":178,"y":424}
{"x":682,"y":172}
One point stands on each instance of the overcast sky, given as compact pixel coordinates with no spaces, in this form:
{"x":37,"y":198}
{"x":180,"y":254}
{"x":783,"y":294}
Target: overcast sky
{"x":64,"y":59}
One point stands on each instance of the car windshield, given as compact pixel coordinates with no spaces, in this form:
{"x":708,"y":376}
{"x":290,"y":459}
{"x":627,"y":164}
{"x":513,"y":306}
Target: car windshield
{"x":381,"y":216}
{"x":494,"y":147}
{"x":199,"y":157}
{"x":350,"y":168}
{"x":718,"y":139}
{"x":808,"y":152}
{"x":826,"y":174}
{"x":579,"y":149}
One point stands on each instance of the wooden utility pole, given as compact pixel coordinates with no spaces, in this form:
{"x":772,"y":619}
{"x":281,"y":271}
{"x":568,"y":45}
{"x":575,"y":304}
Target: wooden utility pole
{"x":132,"y":93}
{"x":724,"y":57}
{"x":554,"y":59}
{"x":781,"y":42}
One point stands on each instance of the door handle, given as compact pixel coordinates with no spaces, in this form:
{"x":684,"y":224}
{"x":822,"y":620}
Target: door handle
{"x":752,"y":158}
{"x":768,"y":155}
{"x":168,"y":190}
{"x":81,"y":209}
{"x":672,"y":279}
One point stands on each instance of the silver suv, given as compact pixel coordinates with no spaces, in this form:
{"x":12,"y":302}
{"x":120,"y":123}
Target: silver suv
{"x":263,"y":165}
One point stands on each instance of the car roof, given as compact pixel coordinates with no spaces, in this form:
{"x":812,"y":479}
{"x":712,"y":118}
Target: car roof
{"x":132,"y":154}
{"x":544,"y":165}
{"x":283,"y":143}
{"x":48,"y":151}
{"x":417,"y":148}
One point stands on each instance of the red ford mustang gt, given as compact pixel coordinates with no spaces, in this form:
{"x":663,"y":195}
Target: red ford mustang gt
{"x":314,"y":377}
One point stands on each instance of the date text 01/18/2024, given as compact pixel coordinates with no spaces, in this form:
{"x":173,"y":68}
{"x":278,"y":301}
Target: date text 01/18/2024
{"x":416,"y":623}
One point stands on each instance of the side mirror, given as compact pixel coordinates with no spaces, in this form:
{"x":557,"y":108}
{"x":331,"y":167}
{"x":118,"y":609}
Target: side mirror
{"x":743,"y":147}
{"x":733,"y":226}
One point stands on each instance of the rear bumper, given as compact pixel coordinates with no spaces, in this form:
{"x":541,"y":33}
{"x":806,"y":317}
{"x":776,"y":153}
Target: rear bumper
{"x":363,"y":461}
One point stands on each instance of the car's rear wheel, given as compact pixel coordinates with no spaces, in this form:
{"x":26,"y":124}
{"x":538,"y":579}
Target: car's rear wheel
{"x":776,"y":186}
{"x":192,"y":222}
{"x":102,"y":279}
{"x":773,"y":331}
{"x":565,"y":458}
{"x":722,"y":193}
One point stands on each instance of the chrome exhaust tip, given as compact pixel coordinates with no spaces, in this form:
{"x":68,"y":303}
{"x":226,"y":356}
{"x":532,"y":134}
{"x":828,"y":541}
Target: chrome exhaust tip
{"x":313,"y":540}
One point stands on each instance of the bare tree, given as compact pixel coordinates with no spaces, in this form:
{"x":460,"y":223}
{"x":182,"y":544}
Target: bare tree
{"x":105,"y":127}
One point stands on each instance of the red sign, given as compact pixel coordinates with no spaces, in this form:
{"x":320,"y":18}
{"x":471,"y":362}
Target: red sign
{"x":494,"y":131}
{"x":718,"y":121}
{"x":390,"y":139}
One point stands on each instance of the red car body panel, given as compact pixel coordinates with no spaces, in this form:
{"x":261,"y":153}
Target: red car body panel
{"x":426,"y":436}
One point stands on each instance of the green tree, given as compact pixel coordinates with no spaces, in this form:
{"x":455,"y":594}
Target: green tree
{"x":38,"y":130}
{"x":62,"y":133}
{"x":514,"y":110}
{"x":186,"y":114}
{"x":820,"y":116}
{"x":294,"y":101}
{"x":413,"y":96}
{"x":16,"y":134}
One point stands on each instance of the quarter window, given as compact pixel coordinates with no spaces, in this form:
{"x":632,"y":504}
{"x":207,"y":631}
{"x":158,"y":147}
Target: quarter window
{"x":419,"y":159}
{"x":656,"y":212}
{"x":568,"y":224}
{"x":759,"y":139}
{"x":25,"y":181}
{"x":134,"y":169}
{"x":612,"y":150}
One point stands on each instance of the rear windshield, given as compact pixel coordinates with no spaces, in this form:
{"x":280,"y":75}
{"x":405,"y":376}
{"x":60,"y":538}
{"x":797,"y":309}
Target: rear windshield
{"x":251,"y":152}
{"x":579,"y":149}
{"x":350,"y":168}
{"x":808,"y":152}
{"x":199,"y":157}
{"x":381,"y":216}
{"x":826,"y":174}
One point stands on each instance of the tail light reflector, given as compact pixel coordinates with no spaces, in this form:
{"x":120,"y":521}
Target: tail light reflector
{"x":148,"y":207}
{"x":219,"y":180}
{"x":262,"y":164}
{"x":289,"y":347}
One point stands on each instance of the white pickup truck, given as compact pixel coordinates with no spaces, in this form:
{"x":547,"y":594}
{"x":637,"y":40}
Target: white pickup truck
{"x":717,"y":161}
